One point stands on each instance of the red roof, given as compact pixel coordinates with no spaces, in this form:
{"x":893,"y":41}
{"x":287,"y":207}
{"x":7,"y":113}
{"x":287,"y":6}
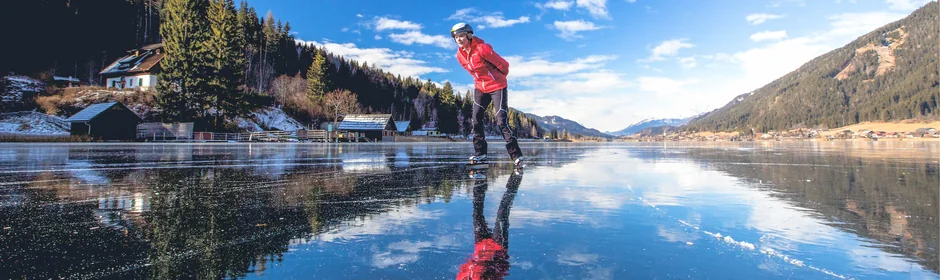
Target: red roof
{"x":140,"y":60}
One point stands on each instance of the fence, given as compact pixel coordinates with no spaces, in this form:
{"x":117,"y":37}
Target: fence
{"x":263,"y":136}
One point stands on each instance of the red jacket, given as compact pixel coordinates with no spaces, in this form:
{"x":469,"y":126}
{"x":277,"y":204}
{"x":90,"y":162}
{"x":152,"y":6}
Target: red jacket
{"x":490,"y":261}
{"x":489,"y":70}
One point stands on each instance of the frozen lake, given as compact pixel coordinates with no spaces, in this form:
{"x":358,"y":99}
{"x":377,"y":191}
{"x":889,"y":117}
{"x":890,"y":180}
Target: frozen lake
{"x":770,"y":210}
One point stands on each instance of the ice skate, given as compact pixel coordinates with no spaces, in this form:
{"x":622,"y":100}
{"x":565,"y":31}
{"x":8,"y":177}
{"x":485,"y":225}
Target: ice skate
{"x":478,"y":159}
{"x":519,"y":163}
{"x":477,"y":174}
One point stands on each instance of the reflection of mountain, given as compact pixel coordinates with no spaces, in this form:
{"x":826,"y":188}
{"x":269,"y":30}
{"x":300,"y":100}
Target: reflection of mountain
{"x":892,"y":202}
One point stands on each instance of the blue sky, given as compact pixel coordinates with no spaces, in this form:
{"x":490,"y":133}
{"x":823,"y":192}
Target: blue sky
{"x":605,"y":64}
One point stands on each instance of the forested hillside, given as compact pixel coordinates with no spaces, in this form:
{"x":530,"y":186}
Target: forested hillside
{"x":888,"y":74}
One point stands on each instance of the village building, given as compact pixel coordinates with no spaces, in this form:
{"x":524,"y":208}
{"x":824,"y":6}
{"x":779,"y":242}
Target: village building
{"x":105,"y":121}
{"x":136,"y":70}
{"x":59,"y":81}
{"x":428,"y":129}
{"x":368,"y":127}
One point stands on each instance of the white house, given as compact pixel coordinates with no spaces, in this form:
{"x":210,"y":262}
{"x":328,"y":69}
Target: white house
{"x":137,"y":69}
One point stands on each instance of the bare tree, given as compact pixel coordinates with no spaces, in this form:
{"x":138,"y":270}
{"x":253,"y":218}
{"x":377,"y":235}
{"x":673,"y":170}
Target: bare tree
{"x":290,"y":92}
{"x":340,"y":101}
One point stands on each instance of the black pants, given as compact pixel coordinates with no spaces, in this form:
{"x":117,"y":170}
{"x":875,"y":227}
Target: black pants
{"x":500,"y":234}
{"x":500,"y":103}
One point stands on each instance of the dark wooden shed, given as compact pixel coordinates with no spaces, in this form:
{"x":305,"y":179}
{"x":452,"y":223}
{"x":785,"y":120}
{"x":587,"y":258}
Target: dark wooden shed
{"x":105,"y":121}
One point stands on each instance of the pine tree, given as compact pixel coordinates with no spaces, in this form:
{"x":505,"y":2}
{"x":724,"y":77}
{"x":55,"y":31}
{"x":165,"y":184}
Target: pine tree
{"x":448,"y":94}
{"x":226,"y":62}
{"x":183,"y":74}
{"x":318,"y":83}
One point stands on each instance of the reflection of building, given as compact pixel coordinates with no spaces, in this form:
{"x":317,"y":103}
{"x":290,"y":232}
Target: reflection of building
{"x":137,"y":69}
{"x":106,"y":121}
{"x":365,"y":163}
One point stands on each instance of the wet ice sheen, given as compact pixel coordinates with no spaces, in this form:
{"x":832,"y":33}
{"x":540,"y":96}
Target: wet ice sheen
{"x":406,"y":211}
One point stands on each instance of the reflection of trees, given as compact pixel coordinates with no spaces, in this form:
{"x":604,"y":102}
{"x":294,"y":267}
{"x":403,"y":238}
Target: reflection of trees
{"x":209,"y":228}
{"x":889,"y":201}
{"x":42,"y":238}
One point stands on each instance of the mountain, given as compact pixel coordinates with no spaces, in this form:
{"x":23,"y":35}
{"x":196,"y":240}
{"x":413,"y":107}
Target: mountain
{"x":888,"y":74}
{"x":548,"y":123}
{"x":655,"y":130}
{"x":648,"y":123}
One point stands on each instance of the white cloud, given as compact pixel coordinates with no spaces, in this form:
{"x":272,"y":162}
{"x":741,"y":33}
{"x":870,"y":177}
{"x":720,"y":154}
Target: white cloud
{"x":383,"y":23}
{"x":345,"y":29}
{"x":462,"y":14}
{"x":857,"y":24}
{"x":769,"y":35}
{"x":497,"y":21}
{"x":687,"y":62}
{"x":663,"y":85}
{"x":597,"y":8}
{"x":398,"y":62}
{"x":522,"y":67}
{"x":668,"y":48}
{"x":557,"y":5}
{"x":417,"y":37}
{"x":486,"y":19}
{"x":359,"y":15}
{"x":377,"y":37}
{"x":905,"y":5}
{"x":779,"y":3}
{"x":569,"y":29}
{"x":756,"y":19}
{"x":764,"y":64}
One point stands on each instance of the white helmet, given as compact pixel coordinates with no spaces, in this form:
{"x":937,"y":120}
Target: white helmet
{"x":460,"y":28}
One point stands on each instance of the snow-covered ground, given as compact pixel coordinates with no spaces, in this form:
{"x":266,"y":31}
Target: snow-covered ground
{"x":32,"y":123}
{"x":17,"y":86}
{"x":269,"y":118}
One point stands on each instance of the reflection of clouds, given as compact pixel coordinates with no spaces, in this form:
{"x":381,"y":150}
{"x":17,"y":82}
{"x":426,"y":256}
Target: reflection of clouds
{"x":600,"y":273}
{"x":783,"y":228}
{"x":673,"y":234}
{"x":576,"y":259}
{"x":525,"y":216}
{"x":386,"y":259}
{"x":871,"y":257}
{"x":389,"y":222}
{"x":689,"y":183}
{"x":677,"y":182}
{"x":595,"y":178}
{"x":405,"y":252}
{"x":775,"y":216}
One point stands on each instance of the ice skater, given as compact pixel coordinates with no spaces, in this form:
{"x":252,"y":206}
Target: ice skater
{"x":489,"y":72}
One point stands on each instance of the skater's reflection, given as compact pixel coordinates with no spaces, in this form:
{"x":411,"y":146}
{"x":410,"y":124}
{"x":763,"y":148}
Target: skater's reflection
{"x":490,"y":258}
